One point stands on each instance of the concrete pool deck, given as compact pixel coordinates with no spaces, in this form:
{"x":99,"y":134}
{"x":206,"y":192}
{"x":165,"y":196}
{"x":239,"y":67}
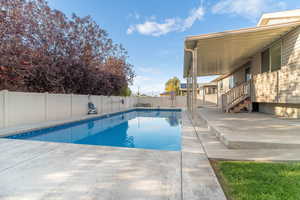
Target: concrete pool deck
{"x":252,"y":130}
{"x":42,"y":170}
{"x":247,"y":136}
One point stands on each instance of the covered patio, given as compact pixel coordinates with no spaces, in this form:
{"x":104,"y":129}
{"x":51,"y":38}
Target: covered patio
{"x":223,"y":53}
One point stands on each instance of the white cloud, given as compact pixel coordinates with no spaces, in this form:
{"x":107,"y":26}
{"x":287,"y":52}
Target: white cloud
{"x":154,"y":28}
{"x":251,"y":9}
{"x":130,"y":30}
{"x":134,"y":15}
{"x":195,"y":14}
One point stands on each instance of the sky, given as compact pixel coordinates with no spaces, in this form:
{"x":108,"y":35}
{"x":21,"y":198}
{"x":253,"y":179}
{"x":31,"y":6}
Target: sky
{"x":153,"y":31}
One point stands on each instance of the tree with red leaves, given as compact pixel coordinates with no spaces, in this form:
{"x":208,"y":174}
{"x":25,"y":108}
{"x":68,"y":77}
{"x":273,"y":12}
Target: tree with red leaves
{"x":42,"y":50}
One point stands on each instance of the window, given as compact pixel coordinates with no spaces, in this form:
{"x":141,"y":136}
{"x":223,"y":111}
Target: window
{"x":247,"y":74}
{"x":214,"y":91}
{"x":275,"y":54}
{"x":183,"y":85}
{"x":207,"y":90}
{"x":231,"y":82}
{"x":265,"y":61}
{"x":271,"y":58}
{"x":221,"y":85}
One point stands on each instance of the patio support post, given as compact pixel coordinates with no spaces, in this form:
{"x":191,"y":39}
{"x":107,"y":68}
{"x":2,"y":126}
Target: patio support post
{"x":192,"y":82}
{"x":192,"y":89}
{"x":188,"y":92}
{"x":194,"y":79}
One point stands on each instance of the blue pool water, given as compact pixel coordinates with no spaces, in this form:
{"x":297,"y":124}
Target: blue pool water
{"x":139,"y":128}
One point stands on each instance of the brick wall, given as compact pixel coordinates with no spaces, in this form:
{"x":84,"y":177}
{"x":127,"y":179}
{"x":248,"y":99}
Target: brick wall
{"x":282,"y":110}
{"x":264,"y":88}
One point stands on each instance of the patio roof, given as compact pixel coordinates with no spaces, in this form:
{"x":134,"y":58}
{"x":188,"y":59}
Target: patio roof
{"x":222,"y":53}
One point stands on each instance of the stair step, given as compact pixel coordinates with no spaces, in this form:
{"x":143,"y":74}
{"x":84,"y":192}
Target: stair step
{"x":242,"y":106}
{"x":208,"y":138}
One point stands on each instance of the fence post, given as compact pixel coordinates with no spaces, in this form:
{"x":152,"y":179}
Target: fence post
{"x":2,"y":108}
{"x":111,"y":104}
{"x":119,"y":100}
{"x":99,"y":104}
{"x":71,"y":105}
{"x":5,"y":108}
{"x":46,"y":105}
{"x":104,"y":100}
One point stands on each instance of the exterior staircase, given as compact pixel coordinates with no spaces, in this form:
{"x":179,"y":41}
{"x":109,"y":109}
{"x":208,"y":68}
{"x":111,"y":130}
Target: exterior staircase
{"x":237,"y":99}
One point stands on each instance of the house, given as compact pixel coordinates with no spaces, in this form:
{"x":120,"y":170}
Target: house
{"x":259,"y":66}
{"x":183,"y":89}
{"x":208,"y":93}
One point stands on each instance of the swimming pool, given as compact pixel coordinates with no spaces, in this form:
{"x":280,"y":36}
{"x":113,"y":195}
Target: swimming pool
{"x":139,"y":128}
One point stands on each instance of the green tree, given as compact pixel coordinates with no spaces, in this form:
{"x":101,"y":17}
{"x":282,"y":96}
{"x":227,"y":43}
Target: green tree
{"x":125,"y":91}
{"x":173,"y":85}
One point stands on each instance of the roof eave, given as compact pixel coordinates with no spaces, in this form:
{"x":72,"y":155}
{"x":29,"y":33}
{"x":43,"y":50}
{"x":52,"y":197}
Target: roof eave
{"x":191,"y":41}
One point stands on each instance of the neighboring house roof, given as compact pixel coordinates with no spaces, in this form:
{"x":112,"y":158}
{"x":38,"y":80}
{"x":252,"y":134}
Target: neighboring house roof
{"x":223,"y":52}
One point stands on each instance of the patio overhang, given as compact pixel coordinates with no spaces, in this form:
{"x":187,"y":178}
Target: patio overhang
{"x":224,"y":52}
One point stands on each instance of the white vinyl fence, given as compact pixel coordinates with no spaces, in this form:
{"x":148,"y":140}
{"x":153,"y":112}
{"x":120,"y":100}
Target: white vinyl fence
{"x":178,"y":101}
{"x":18,"y":108}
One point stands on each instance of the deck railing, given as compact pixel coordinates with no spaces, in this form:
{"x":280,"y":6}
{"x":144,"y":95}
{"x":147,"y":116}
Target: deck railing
{"x":236,"y":95}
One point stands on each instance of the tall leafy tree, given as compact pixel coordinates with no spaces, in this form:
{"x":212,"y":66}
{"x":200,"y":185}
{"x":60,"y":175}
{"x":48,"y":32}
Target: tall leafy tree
{"x":173,"y":85}
{"x":42,"y":50}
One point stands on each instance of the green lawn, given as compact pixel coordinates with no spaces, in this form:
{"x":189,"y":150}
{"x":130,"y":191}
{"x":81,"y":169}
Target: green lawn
{"x":259,"y":181}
